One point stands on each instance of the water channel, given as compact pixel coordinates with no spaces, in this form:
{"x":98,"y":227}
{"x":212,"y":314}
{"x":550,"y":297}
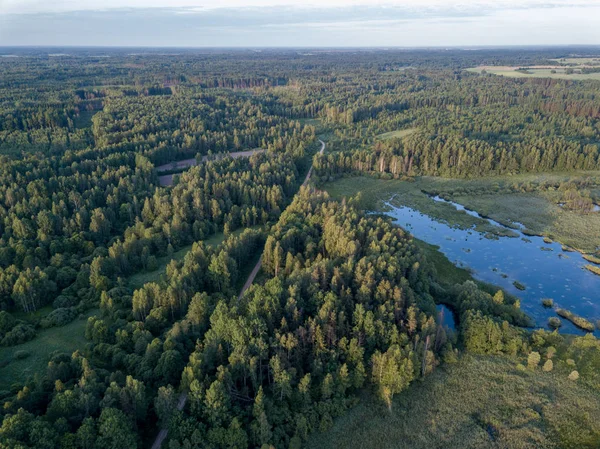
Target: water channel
{"x":545,"y":269}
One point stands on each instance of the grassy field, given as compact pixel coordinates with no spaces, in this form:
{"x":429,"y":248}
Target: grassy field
{"x":538,"y":211}
{"x":536,"y":73}
{"x":579,"y":61}
{"x":447,"y":272}
{"x":139,"y":279}
{"x":375,"y":192}
{"x":397,"y":134}
{"x":34,"y":316}
{"x":62,"y":339}
{"x":480,"y":402}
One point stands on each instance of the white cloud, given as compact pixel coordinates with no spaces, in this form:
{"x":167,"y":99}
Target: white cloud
{"x":197,"y":23}
{"x":61,"y":6}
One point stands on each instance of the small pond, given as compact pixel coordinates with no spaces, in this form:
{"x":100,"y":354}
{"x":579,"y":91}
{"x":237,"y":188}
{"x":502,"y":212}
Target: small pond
{"x":544,"y":269}
{"x":446,"y":317}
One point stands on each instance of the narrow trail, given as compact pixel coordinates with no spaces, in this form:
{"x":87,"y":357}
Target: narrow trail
{"x":183,"y":397}
{"x":163,"y":432}
{"x":256,"y":268}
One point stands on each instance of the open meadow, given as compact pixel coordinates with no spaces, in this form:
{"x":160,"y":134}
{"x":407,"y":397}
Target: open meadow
{"x":548,"y":72}
{"x":18,"y":363}
{"x":494,"y":197}
{"x":475,"y":403}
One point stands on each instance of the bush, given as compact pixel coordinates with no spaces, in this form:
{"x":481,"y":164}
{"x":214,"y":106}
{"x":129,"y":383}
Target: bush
{"x":574,"y":375}
{"x":533,"y":360}
{"x":548,"y":302}
{"x":59,"y":317}
{"x":518,"y":285}
{"x":554,"y":323}
{"x":19,"y":334}
{"x":548,"y":366}
{"x":63,"y":301}
{"x":7,"y":322}
{"x":20,"y":355}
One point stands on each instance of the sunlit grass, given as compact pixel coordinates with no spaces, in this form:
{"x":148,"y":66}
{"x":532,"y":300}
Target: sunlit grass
{"x":479,"y":402}
{"x":397,"y":134}
{"x":66,"y":339}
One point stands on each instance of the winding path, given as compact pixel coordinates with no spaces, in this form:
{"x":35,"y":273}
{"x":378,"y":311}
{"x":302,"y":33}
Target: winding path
{"x":163,"y":432}
{"x":183,"y":397}
{"x":256,"y":268}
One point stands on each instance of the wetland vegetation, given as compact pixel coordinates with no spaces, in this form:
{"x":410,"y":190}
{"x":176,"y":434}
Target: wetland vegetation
{"x":388,"y":285}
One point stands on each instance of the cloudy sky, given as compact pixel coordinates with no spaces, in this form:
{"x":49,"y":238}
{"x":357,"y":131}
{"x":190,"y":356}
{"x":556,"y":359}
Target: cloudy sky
{"x":299,"y":23}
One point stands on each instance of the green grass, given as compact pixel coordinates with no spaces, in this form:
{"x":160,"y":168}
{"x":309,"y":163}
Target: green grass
{"x":537,"y":73}
{"x":139,"y":279}
{"x":316,"y":122}
{"x":579,"y":61}
{"x":32,"y":317}
{"x":85,"y":119}
{"x":480,"y":402}
{"x":375,"y":192}
{"x":592,"y":259}
{"x":538,"y":211}
{"x":397,"y":134}
{"x":578,"y":321}
{"x":593,"y":268}
{"x":447,"y":272}
{"x":67,"y":339}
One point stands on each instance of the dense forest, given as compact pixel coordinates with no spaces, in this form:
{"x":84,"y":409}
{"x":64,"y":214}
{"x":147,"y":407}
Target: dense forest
{"x":345,"y":301}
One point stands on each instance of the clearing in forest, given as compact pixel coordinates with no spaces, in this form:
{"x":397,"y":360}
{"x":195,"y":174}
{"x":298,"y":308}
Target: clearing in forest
{"x":396,"y":134}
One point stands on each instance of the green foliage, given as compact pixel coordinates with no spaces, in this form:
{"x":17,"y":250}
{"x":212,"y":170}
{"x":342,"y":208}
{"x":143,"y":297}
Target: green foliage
{"x":465,"y":403}
{"x":578,"y":321}
{"x":533,"y":360}
{"x":548,"y":302}
{"x":392,"y":373}
{"x":484,"y":335}
{"x":554,"y":322}
{"x":345,"y":300}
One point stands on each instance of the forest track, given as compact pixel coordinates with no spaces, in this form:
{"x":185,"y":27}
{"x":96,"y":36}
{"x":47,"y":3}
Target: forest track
{"x":256,"y":268}
{"x":163,"y":432}
{"x":183,"y":397}
{"x":167,"y":180}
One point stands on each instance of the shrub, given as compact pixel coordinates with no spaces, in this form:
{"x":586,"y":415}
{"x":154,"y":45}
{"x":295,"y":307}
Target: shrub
{"x":19,"y":334}
{"x":548,"y":302}
{"x":548,"y":366}
{"x":554,"y":322}
{"x":574,"y":375}
{"x":518,"y":285}
{"x":7,"y":322}
{"x":20,"y":355}
{"x":59,"y":317}
{"x":533,"y":360}
{"x":64,"y":301}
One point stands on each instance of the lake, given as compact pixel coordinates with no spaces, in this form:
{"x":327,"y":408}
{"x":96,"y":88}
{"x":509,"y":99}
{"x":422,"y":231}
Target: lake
{"x":544,"y":269}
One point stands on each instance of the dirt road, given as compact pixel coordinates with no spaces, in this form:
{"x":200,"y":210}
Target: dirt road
{"x":256,"y":268}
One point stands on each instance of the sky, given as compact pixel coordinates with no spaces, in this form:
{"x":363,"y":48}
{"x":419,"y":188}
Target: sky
{"x":299,"y":23}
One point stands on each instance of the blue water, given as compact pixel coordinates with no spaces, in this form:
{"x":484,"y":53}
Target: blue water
{"x":446,"y":316}
{"x":544,"y":268}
